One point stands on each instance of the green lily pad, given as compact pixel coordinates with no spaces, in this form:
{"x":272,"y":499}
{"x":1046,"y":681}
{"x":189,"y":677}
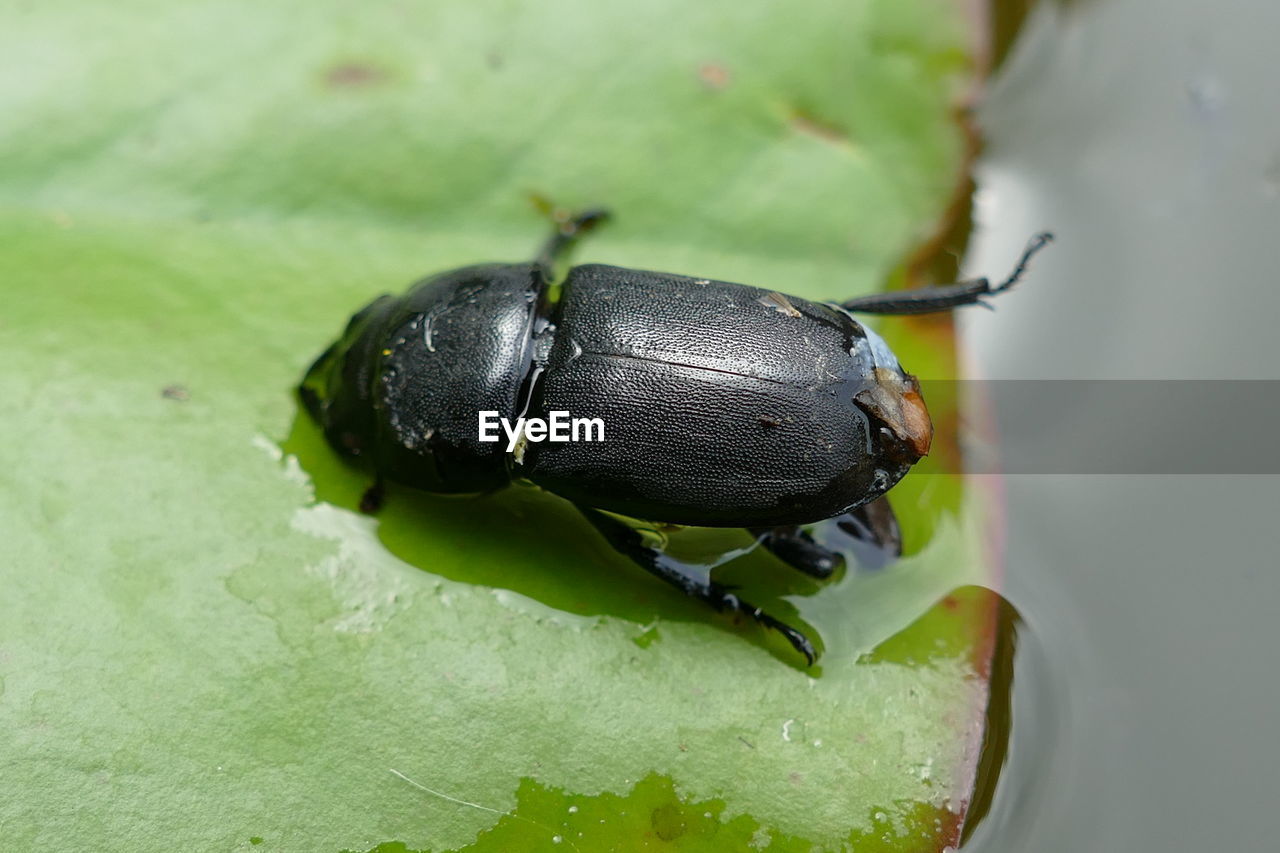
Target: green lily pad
{"x":203,"y":646}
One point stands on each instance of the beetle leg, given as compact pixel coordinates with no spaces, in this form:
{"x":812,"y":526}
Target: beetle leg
{"x":874,"y":529}
{"x":794,"y":546}
{"x":628,"y":541}
{"x":928,"y":300}
{"x":569,"y":229}
{"x":870,"y":532}
{"x":374,"y":496}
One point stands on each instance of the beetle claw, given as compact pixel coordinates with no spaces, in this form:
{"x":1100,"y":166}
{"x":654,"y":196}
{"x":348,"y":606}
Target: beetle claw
{"x":628,"y":541}
{"x":796,"y":638}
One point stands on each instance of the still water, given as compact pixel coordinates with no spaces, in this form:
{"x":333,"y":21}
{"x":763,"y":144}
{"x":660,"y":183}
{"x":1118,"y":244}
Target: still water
{"x":1147,"y":136}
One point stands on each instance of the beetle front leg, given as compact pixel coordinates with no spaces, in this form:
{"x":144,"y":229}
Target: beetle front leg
{"x":928,"y":300}
{"x":628,"y":541}
{"x":875,"y":533}
{"x":794,"y":546}
{"x":871,"y":532}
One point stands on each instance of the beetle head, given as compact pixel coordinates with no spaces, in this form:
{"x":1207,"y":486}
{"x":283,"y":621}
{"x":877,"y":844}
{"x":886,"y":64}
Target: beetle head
{"x":892,"y":400}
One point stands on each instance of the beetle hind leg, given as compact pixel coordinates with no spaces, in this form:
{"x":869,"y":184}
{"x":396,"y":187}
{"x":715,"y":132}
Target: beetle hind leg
{"x":569,"y":229}
{"x":374,"y":497}
{"x":628,"y":541}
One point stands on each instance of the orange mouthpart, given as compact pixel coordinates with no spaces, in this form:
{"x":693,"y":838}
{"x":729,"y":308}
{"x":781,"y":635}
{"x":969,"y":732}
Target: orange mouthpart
{"x":916,"y":429}
{"x":895,"y":401}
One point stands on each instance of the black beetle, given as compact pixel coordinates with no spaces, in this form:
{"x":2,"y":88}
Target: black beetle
{"x":723,"y":405}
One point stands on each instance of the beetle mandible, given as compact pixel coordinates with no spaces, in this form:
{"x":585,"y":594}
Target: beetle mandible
{"x":725,"y":405}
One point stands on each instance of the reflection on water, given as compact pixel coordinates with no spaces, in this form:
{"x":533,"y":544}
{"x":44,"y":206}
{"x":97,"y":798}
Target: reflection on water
{"x":1010,"y":782}
{"x":1145,"y":135}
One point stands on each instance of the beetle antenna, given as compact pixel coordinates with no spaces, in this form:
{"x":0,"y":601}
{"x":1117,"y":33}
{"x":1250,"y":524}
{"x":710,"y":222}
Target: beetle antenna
{"x":1036,"y":243}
